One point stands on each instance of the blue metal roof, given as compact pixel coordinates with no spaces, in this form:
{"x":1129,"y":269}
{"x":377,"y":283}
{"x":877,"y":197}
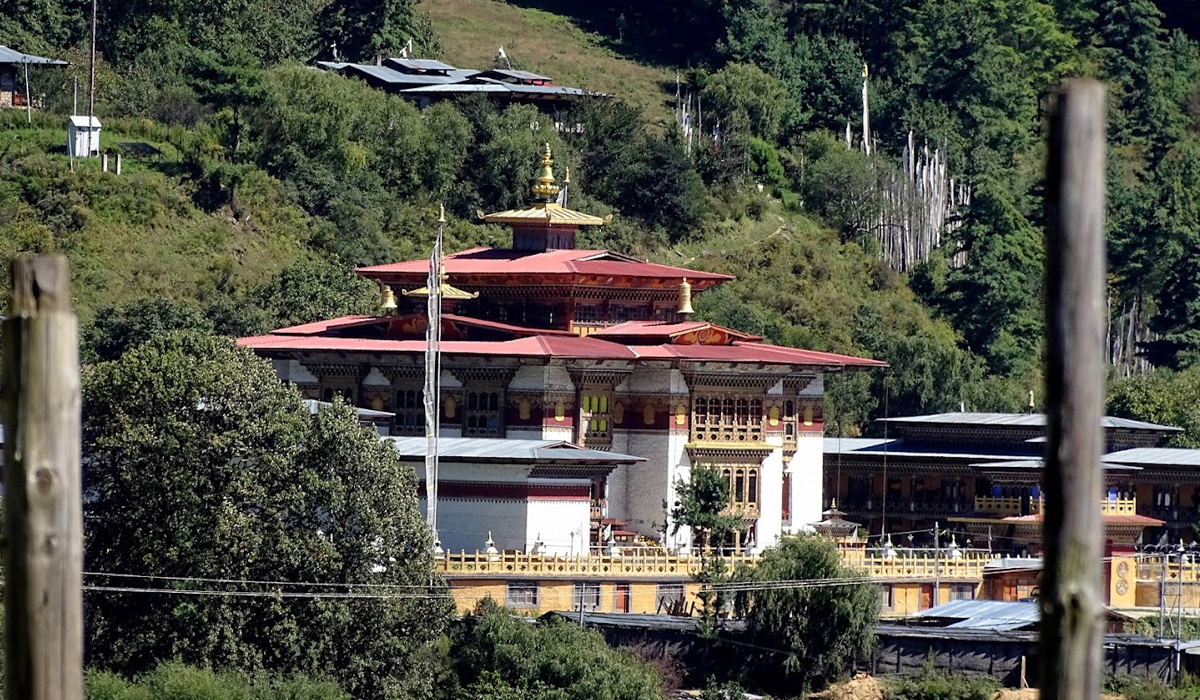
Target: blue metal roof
{"x":506,"y":450}
{"x":985,"y":614}
{"x":420,"y":64}
{"x":1027,"y":420}
{"x":8,"y":55}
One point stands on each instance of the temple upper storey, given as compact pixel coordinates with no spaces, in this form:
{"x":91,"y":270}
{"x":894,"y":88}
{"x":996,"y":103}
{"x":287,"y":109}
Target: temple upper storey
{"x":544,"y":281}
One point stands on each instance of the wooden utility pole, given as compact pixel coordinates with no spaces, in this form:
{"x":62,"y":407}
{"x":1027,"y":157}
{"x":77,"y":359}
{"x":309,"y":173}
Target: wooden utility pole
{"x":1072,"y":601}
{"x":44,"y":559}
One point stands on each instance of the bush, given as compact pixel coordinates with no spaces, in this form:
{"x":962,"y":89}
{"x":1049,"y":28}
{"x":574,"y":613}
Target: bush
{"x":176,"y":681}
{"x":932,"y":685}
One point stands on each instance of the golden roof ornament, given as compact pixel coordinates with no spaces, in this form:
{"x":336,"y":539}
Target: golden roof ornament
{"x":545,"y":189}
{"x":387,"y":300}
{"x":685,"y":299}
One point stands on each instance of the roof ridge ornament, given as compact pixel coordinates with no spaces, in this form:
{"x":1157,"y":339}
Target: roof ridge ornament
{"x":546,"y":189}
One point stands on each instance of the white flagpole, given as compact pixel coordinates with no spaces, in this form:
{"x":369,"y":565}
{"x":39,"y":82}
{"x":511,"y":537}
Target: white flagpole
{"x":433,"y":367}
{"x":866,"y":135}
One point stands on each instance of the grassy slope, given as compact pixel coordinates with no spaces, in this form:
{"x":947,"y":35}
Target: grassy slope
{"x":137,"y":234}
{"x":472,"y":30}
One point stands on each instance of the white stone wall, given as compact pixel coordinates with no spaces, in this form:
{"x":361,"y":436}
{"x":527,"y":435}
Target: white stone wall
{"x":770,"y":501}
{"x":563,"y":526}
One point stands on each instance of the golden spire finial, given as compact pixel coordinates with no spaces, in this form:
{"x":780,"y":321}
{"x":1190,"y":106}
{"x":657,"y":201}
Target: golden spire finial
{"x":545,"y":189}
{"x":442,"y":213}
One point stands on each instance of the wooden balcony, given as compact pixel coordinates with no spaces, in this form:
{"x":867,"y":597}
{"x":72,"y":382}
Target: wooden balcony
{"x":518,"y":565}
{"x":903,"y":564}
{"x":1013,"y":505}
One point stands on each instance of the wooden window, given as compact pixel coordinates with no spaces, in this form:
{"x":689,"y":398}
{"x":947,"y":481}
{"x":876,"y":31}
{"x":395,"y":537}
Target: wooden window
{"x":960,"y":591}
{"x":669,"y":594}
{"x":521,"y":594}
{"x":329,"y":393}
{"x":619,"y":313}
{"x":595,"y":419}
{"x":409,"y":408}
{"x":589,"y":313}
{"x":587,"y":595}
{"x":886,"y":597}
{"x":743,"y":487}
{"x":727,"y":419}
{"x":483,"y":415}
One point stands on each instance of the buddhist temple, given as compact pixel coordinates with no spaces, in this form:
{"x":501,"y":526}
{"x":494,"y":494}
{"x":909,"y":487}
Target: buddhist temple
{"x":544,"y":341}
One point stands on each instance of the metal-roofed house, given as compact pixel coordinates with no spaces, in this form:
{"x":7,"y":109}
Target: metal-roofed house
{"x":14,"y":76}
{"x":426,"y":81}
{"x":980,"y":476}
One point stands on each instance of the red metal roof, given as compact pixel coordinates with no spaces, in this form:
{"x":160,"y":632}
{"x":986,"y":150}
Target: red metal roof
{"x":662,"y":329}
{"x":565,"y":346}
{"x":503,"y":261}
{"x":649,"y":328}
{"x":1108,"y":519}
{"x":319,"y":327}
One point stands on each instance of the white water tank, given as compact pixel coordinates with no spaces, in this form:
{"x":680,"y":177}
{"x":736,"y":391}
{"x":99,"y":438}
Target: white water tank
{"x":78,"y":128}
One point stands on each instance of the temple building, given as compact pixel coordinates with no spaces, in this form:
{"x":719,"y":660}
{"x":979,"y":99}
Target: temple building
{"x":554,"y":357}
{"x":982,"y":475}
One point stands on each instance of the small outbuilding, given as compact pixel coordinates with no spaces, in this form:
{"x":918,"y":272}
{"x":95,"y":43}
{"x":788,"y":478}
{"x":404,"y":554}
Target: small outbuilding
{"x":83,"y":136}
{"x":14,"y":76}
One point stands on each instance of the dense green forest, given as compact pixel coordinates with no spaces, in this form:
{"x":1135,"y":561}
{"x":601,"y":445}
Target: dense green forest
{"x":276,"y":179}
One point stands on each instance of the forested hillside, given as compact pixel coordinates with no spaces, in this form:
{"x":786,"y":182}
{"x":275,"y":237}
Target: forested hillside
{"x":277,"y":179}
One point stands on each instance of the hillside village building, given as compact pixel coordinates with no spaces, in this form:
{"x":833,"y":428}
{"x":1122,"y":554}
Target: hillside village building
{"x":426,"y":81}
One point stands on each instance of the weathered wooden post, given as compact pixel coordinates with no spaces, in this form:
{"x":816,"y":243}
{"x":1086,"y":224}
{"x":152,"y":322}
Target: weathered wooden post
{"x":1072,"y":601}
{"x":44,"y":560}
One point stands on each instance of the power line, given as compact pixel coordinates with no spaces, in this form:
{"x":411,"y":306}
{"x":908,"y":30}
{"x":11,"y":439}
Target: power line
{"x":266,"y":594}
{"x":194,"y":579}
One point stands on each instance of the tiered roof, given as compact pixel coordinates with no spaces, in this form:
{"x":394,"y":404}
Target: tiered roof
{"x":548,"y":261}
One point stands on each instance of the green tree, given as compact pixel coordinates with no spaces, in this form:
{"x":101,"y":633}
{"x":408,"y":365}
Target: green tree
{"x":314,"y":290}
{"x":202,"y":465}
{"x":745,"y":100}
{"x":1164,"y":397}
{"x":995,"y":299}
{"x":229,"y":80}
{"x":821,"y":629}
{"x":117,"y":329}
{"x":360,"y":30}
{"x":499,"y":656}
{"x":702,"y":504}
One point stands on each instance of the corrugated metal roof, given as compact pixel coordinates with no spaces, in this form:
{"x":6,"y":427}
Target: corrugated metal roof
{"x":1040,"y":464}
{"x":314,"y":406}
{"x":985,"y":614}
{"x":503,"y":449}
{"x":1029,"y":420}
{"x":518,"y":74}
{"x":896,"y":447}
{"x":8,"y":55}
{"x":1013,"y":564}
{"x":421,"y":64}
{"x":392,"y":76}
{"x":1157,"y":456}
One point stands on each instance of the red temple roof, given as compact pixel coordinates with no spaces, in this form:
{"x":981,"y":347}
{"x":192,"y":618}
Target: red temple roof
{"x":575,"y":263}
{"x":567,"y":347}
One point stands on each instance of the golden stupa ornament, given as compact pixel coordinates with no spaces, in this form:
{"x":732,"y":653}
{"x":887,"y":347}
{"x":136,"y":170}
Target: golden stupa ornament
{"x":545,"y":188}
{"x":387,"y":300}
{"x":685,"y":299}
